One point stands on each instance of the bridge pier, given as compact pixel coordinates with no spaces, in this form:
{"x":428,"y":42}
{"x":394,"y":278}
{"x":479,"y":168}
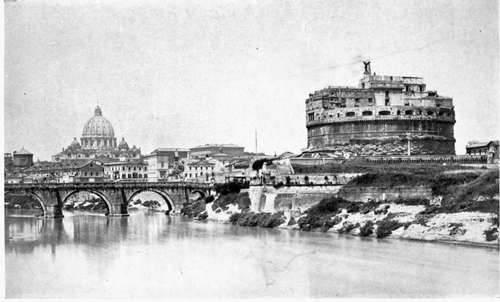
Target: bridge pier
{"x":53,"y":212}
{"x":117,"y":202}
{"x":52,"y":204}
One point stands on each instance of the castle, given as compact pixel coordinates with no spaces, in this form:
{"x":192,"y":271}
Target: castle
{"x":385,"y":115}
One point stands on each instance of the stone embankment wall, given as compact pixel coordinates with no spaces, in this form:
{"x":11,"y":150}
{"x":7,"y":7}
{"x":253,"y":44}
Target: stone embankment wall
{"x":299,"y":198}
{"x":365,"y":194}
{"x":318,"y":179}
{"x":295,"y":198}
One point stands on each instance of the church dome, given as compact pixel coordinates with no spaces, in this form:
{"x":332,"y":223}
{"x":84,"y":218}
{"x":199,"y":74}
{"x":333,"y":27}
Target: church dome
{"x":98,"y":126}
{"x":123,"y":145}
{"x":75,"y":144}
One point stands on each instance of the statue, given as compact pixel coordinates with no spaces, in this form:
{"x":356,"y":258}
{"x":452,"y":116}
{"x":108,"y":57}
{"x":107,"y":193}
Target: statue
{"x":367,"y":67}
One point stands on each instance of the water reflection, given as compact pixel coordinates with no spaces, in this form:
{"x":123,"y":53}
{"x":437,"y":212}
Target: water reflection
{"x":97,"y":256}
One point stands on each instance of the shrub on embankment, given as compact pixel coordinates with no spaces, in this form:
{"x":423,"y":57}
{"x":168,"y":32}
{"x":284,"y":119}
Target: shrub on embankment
{"x":193,"y":209}
{"x":266,"y":220}
{"x":386,"y":226}
{"x":466,"y":192}
{"x":322,"y":214}
{"x":242,"y":200}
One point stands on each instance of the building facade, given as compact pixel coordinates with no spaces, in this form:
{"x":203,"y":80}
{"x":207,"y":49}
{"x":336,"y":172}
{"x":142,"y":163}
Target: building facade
{"x":164,"y":163}
{"x":490,"y":149}
{"x":66,"y":171}
{"x":385,"y":115}
{"x":22,"y":158}
{"x":126,"y":170}
{"x":204,"y":170}
{"x":97,"y":140}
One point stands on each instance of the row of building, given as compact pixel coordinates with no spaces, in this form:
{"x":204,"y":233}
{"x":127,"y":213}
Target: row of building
{"x":98,"y":157}
{"x":214,"y":164}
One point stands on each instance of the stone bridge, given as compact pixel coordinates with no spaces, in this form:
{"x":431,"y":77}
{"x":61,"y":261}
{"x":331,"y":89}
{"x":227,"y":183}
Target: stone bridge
{"x":117,"y":196}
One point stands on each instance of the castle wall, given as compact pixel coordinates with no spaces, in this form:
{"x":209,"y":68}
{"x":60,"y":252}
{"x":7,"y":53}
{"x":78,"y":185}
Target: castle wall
{"x":385,"y":136}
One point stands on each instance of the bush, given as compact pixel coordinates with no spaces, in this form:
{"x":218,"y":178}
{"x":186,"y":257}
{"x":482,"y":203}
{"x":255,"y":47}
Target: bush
{"x":327,"y":206}
{"x":382,"y":210}
{"x":226,"y":188}
{"x":266,"y":220}
{"x":456,"y":229}
{"x":369,"y":206}
{"x":347,"y":227}
{"x":366,"y":229}
{"x":202,"y":216}
{"x":386,"y":226}
{"x":193,"y":209}
{"x":312,"y":221}
{"x":240,"y":199}
{"x":441,"y":183}
{"x":491,"y":234}
{"x":412,"y":201}
{"x":234,"y":218}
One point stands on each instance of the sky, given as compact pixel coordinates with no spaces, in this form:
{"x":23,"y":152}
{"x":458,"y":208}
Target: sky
{"x":185,"y":73}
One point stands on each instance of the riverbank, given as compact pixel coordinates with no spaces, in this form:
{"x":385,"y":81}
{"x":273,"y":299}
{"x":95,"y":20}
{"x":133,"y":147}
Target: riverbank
{"x":461,"y":208}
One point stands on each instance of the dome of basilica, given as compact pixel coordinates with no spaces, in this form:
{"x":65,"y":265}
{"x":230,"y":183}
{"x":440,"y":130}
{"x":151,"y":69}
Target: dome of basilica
{"x":98,"y":126}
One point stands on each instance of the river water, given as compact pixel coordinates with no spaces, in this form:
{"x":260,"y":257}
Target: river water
{"x":153,"y":255}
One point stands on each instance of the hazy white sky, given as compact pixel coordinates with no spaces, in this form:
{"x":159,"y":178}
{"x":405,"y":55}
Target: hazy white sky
{"x":184,"y":73}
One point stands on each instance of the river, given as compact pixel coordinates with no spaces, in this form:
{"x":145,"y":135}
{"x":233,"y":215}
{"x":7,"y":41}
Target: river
{"x":153,"y":255}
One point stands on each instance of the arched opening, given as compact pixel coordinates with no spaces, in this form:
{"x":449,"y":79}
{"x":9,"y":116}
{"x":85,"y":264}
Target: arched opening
{"x":350,"y":113}
{"x":150,"y":200}
{"x":23,"y":204}
{"x":384,"y":112}
{"x":83,"y":202}
{"x":409,"y":112}
{"x":367,"y":113}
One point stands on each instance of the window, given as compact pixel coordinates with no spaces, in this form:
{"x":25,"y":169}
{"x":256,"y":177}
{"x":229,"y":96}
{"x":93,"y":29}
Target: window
{"x":123,"y":176}
{"x":350,"y":113}
{"x":370,"y":100}
{"x":310,"y":117}
{"x":145,"y":176}
{"x":409,"y":112}
{"x":384,"y":112}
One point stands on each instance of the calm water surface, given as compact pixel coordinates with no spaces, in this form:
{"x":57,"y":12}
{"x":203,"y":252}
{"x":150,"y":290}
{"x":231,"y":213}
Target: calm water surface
{"x":153,"y":255}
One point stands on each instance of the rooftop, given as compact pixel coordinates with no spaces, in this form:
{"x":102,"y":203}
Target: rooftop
{"x":218,"y":146}
{"x":22,"y":152}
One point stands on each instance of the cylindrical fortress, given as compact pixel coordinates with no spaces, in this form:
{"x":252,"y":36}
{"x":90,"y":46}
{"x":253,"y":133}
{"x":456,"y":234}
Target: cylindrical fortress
{"x":387,"y":115}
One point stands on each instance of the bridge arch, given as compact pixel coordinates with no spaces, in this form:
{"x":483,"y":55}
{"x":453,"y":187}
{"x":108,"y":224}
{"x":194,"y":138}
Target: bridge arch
{"x":95,"y":192}
{"x":164,"y":196}
{"x":31,"y":194}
